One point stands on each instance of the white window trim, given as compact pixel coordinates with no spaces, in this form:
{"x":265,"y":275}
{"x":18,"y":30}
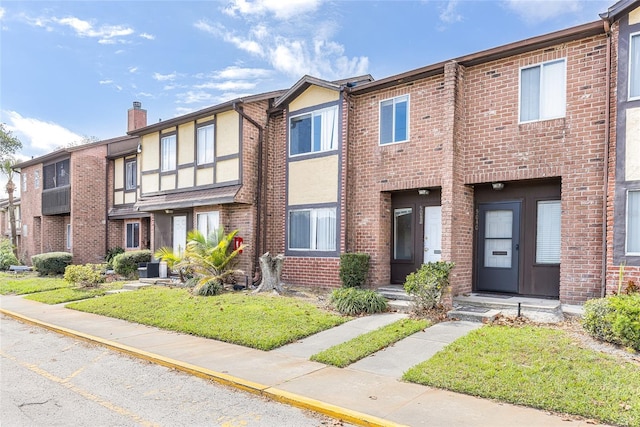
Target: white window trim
{"x":380,"y":143}
{"x":213,"y":142}
{"x":629,"y":97}
{"x":626,"y":225}
{"x":69,"y":241}
{"x":312,"y":229}
{"x":126,"y":236}
{"x":198,"y":216}
{"x":24,"y":182}
{"x":173,"y":167}
{"x":127,"y":162}
{"x":541,"y":64}
{"x":312,"y":114}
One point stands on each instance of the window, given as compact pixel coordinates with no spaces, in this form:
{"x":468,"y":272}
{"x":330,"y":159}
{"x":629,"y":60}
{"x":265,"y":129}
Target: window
{"x":36,"y":179}
{"x":314,"y":132}
{"x":312,"y":229}
{"x":543,"y":91}
{"x":56,"y":174}
{"x":68,"y":237}
{"x":633,"y":222}
{"x":402,"y":240}
{"x":168,"y":153}
{"x":24,"y":182}
{"x":548,"y":232}
{"x":208,"y":222}
{"x":205,"y":144}
{"x":634,"y":66}
{"x":130,"y":174}
{"x":394,"y":120}
{"x":133,"y":235}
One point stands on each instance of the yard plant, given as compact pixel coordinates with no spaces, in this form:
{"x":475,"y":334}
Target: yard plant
{"x":614,"y":319}
{"x":428,"y":284}
{"x":51,"y":263}
{"x":126,"y":263}
{"x":7,"y":257}
{"x":355,"y":301}
{"x":354,"y":268}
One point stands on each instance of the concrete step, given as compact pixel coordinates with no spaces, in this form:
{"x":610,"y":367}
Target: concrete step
{"x":473,"y":314}
{"x":394,"y":292}
{"x":536,"y":309}
{"x":154,"y":281}
{"x":400,"y":306}
{"x":134,"y":286}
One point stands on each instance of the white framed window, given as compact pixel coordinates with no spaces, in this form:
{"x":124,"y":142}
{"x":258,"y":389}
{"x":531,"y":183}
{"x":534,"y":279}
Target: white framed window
{"x":205,"y":144}
{"x":24,"y":182}
{"x":132,"y":236}
{"x":168,"y":153}
{"x":130,"y":174}
{"x":543,"y":91}
{"x":633,"y":223}
{"x":548,"y":232}
{"x":208,"y":222}
{"x":394,"y":120}
{"x":634,"y":66}
{"x":68,"y":236}
{"x":36,"y":179}
{"x":312,"y":229}
{"x":313,"y":132}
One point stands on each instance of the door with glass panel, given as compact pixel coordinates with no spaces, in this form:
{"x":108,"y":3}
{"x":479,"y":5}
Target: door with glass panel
{"x":498,"y":247}
{"x":179,"y":233}
{"x":403,"y":259}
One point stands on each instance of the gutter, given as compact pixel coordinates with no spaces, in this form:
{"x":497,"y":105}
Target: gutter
{"x":258,"y":238}
{"x":607,"y":135}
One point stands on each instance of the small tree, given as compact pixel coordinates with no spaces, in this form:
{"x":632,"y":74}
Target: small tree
{"x":9,"y":145}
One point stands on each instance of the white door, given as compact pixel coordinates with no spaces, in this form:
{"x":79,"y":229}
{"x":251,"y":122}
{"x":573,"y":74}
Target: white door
{"x":432,"y":233}
{"x":179,"y":233}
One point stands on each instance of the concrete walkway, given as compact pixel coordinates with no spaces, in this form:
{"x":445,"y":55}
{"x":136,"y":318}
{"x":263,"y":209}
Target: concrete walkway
{"x":367,"y":393}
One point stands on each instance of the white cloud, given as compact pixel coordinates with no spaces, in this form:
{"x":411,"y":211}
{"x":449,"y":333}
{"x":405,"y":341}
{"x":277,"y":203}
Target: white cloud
{"x":227,"y":85}
{"x":280,"y":9}
{"x":165,"y":77}
{"x":38,"y":135}
{"x":448,"y":13}
{"x":133,"y":69}
{"x":106,"y":33}
{"x":240,"y":73}
{"x":196,"y":97}
{"x":536,"y":10}
{"x":147,"y":36}
{"x":2,"y":12}
{"x":106,"y":82}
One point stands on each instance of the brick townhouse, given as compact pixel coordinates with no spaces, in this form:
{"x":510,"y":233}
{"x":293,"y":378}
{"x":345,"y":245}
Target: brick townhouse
{"x":64,"y":201}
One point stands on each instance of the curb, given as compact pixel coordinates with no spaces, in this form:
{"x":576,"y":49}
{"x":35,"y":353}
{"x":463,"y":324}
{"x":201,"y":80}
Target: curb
{"x":272,"y":393}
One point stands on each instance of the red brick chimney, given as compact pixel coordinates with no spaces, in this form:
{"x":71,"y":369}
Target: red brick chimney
{"x":137,"y":117}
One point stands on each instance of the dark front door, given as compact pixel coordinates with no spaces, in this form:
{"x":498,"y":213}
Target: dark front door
{"x":498,"y":247}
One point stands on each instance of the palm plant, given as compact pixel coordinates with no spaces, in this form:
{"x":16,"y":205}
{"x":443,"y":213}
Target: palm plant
{"x":175,"y":261}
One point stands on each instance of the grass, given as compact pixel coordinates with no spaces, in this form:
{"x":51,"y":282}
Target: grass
{"x":346,"y":353}
{"x":57,"y":296}
{"x":264,"y":322}
{"x":28,"y":283}
{"x":538,"y":367}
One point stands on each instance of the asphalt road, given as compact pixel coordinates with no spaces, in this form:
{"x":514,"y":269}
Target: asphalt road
{"x":47,"y":379}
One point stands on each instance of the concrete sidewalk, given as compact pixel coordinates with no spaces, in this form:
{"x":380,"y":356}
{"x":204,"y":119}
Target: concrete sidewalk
{"x":366,"y":393}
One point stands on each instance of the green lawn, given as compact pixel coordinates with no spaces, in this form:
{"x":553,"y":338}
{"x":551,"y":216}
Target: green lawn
{"x":351,"y":351}
{"x":57,"y":296}
{"x":264,"y":322}
{"x":28,"y":283}
{"x":539,"y":367}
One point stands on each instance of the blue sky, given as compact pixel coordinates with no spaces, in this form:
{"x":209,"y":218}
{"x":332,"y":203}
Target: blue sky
{"x":71,"y":69}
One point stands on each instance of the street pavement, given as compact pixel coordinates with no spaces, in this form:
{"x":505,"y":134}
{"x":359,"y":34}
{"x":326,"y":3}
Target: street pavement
{"x":368,"y":392}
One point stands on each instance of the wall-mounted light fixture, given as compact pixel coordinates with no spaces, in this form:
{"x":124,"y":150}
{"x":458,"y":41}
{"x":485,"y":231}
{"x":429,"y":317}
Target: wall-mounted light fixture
{"x":168,"y":211}
{"x":497,"y":186}
{"x":139,"y":150}
{"x":423,"y":191}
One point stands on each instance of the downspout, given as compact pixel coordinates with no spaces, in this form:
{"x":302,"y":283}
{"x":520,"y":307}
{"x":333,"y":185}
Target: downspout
{"x":106,"y":207}
{"x":257,"y":233}
{"x":607,"y":133}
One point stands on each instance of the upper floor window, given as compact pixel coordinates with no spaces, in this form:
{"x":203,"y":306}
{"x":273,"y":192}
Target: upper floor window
{"x":56,"y":174}
{"x":543,"y":91}
{"x":208,"y":222}
{"x":24,"y":182}
{"x":205,"y":144}
{"x":312,"y":229}
{"x":168,"y":153}
{"x":633,"y":222}
{"x":634,"y":66}
{"x":36,"y":179}
{"x":130,"y":174}
{"x":314,"y":132}
{"x":394,"y":120}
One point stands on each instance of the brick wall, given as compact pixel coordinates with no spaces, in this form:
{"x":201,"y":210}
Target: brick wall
{"x":31,"y":206}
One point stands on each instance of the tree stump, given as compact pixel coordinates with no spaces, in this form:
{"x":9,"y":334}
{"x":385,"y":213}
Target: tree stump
{"x":271,"y":268}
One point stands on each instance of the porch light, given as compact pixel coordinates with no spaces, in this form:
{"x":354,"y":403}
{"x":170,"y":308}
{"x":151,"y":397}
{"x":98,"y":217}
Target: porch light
{"x":423,"y":191}
{"x":497,"y":186}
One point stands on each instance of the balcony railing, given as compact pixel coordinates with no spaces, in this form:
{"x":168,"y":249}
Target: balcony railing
{"x":56,"y":201}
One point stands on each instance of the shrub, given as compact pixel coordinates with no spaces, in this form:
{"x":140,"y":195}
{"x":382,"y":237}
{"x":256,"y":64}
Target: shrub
{"x":354,"y":268}
{"x":111,"y":254}
{"x":126,"y":264}
{"x":614,"y":319}
{"x":428,"y":284}
{"x":7,"y":257}
{"x":88,"y":275}
{"x":354,"y":301}
{"x":51,"y":263}
{"x":208,"y":287}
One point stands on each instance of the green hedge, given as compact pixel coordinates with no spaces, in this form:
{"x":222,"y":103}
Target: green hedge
{"x":87,"y":275}
{"x":126,"y":264}
{"x":354,"y":268}
{"x":614,"y":319}
{"x":51,"y":263}
{"x":354,"y":301}
{"x":7,"y":257}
